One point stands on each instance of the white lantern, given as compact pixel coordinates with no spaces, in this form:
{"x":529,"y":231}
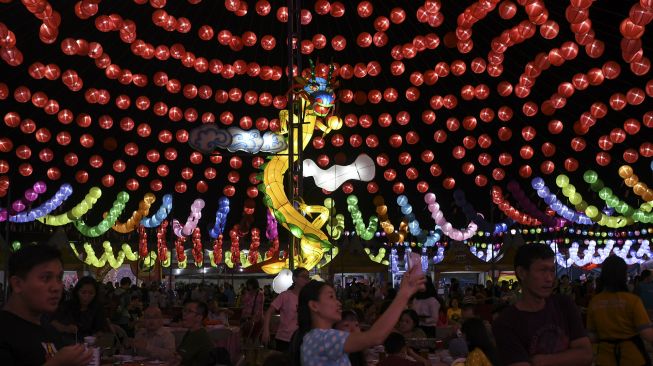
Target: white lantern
{"x":282,"y":281}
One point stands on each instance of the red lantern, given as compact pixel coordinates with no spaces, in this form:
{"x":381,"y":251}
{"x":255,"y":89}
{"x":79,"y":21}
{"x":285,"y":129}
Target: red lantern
{"x":132,"y":184}
{"x":435,"y":170}
{"x":398,"y":188}
{"x":108,"y":180}
{"x":422,"y":186}
{"x":156,"y":185}
{"x":525,"y":171}
{"x":372,"y":187}
{"x":449,"y":183}
{"x":53,"y":173}
{"x":81,"y":176}
{"x":229,"y":190}
{"x":480,"y":180}
{"x":180,"y":187}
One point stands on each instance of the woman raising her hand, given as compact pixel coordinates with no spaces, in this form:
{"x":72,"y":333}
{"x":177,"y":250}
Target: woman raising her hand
{"x":317,"y":343}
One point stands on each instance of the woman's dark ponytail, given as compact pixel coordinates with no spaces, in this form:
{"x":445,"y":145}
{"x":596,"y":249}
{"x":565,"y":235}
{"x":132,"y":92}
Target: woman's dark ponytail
{"x":310,"y":292}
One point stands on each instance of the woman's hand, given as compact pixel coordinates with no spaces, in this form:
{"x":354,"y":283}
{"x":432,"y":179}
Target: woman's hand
{"x":412,"y":283}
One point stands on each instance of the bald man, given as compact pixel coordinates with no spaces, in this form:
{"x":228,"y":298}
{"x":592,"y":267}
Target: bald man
{"x":152,"y":340}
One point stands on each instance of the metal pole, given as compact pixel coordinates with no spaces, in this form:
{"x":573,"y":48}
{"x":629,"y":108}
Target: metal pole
{"x":294,"y":9}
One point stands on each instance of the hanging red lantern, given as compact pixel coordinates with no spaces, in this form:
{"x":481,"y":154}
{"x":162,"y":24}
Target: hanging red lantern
{"x":71,"y":159}
{"x":180,"y":187}
{"x":53,"y":173}
{"x":630,"y":156}
{"x":25,"y":169}
{"x":603,"y":158}
{"x":372,"y":187}
{"x":389,"y":174}
{"x":435,"y":170}
{"x":480,"y":180}
{"x":81,"y":176}
{"x":162,"y":170}
{"x":119,"y":166}
{"x":547,"y":167}
{"x":422,"y":186}
{"x":498,"y":174}
{"x":571,"y":164}
{"x":108,"y":180}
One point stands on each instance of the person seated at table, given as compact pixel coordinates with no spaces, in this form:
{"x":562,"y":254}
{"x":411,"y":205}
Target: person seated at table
{"x":152,"y":339}
{"x":482,"y":351}
{"x":82,"y":315}
{"x":35,"y":273}
{"x":399,"y":354}
{"x":217,"y":315}
{"x":196,"y":344}
{"x":408,"y":323}
{"x":349,"y":323}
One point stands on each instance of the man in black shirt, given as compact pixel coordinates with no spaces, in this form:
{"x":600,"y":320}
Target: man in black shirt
{"x":35,"y":280}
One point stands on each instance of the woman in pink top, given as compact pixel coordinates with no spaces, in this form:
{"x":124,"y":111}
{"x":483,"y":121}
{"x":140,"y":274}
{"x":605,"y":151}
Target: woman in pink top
{"x":286,"y":305}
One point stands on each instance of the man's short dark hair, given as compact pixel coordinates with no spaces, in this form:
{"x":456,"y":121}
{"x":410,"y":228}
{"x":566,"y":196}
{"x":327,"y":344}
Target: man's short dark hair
{"x":529,"y":253}
{"x":30,"y":256}
{"x":645,"y":274}
{"x":202,"y":309}
{"x":394,"y":343}
{"x":125,"y":281}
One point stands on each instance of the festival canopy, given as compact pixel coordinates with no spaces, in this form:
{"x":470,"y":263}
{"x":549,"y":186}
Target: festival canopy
{"x":147,"y":128}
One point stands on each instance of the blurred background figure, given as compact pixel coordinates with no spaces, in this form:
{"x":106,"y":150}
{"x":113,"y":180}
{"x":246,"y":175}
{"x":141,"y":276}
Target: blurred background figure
{"x":82,"y":315}
{"x":152,"y":339}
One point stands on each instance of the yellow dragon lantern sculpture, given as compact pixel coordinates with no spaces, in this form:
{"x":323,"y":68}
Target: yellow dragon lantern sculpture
{"x":314,"y":104}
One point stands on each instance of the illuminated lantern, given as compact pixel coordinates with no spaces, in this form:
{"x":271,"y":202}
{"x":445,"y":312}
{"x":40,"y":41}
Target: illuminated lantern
{"x":498,"y":174}
{"x":81,"y":176}
{"x":603,"y":158}
{"x":504,"y":133}
{"x":449,"y":183}
{"x":229,"y":190}
{"x":480,"y":180}
{"x":156,"y":185}
{"x":53,"y":173}
{"x":71,"y":159}
{"x":162,"y":170}
{"x":398,"y":188}
{"x":132,"y":184}
{"x":233,"y":176}
{"x":180,"y":187}
{"x":63,"y":138}
{"x":525,"y":171}
{"x":372,"y":187}
{"x":571,"y":164}
{"x":108,"y":180}
{"x":547,"y":167}
{"x":25,"y":169}
{"x":630,"y":156}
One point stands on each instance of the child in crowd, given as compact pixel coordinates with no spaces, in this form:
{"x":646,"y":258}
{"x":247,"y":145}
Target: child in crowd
{"x":408,"y":325}
{"x":349,"y":323}
{"x":399,"y":354}
{"x":482,"y":351}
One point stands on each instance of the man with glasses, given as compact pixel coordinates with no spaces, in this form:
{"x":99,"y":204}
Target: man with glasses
{"x":152,"y":339}
{"x":196,"y":345}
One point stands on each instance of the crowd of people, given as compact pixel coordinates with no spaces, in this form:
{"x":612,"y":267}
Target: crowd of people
{"x":537,"y":320}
